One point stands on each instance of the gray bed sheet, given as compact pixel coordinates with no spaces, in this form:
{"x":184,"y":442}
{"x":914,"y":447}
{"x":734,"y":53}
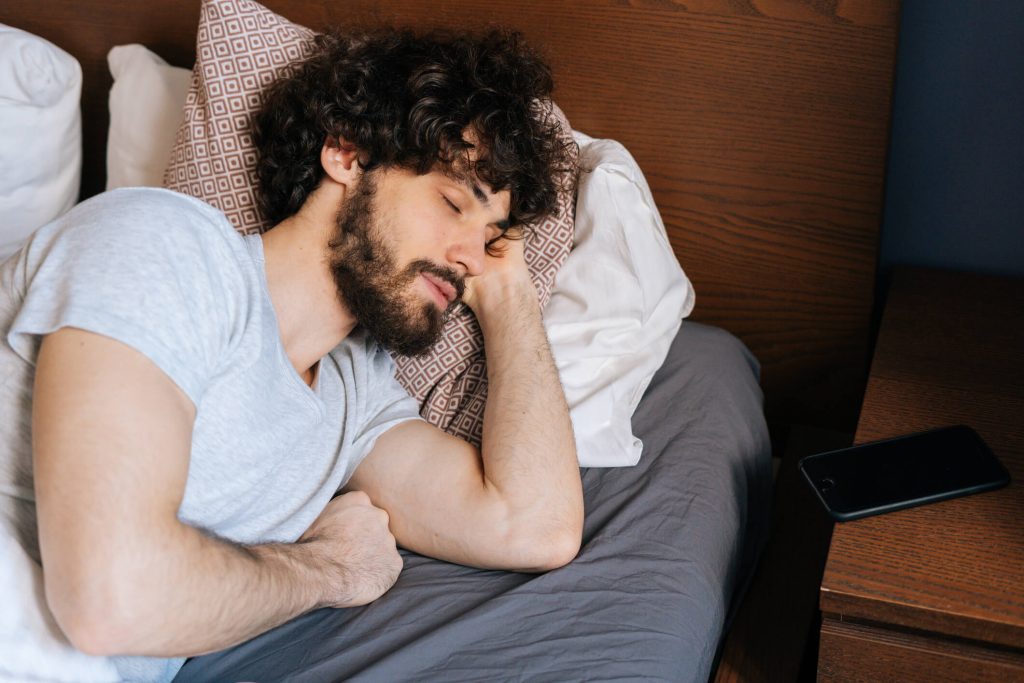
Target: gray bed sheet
{"x":667,"y":544}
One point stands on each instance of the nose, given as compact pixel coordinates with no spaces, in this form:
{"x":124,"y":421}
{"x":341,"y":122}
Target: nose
{"x":467,"y":251}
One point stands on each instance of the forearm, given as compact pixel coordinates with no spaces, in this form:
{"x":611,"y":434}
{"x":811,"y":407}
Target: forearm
{"x":528,"y":449}
{"x":218,"y":594}
{"x":182,"y":593}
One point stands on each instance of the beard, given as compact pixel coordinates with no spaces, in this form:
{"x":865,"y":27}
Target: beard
{"x":377,"y":292}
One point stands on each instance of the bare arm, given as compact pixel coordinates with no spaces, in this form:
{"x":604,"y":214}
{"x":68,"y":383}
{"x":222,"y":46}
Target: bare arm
{"x":111,"y":441}
{"x":518,"y":504}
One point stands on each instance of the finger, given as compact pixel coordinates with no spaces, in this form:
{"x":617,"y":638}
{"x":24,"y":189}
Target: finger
{"x":354,"y":498}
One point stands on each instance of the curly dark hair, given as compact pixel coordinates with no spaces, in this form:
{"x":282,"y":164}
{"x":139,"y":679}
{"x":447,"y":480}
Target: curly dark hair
{"x":408,"y":100}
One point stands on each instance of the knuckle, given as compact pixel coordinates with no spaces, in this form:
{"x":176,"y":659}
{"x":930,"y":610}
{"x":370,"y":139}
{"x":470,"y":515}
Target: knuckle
{"x":359,"y":497}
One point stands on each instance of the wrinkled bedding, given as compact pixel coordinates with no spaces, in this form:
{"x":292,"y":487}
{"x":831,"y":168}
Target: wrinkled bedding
{"x":668,"y":544}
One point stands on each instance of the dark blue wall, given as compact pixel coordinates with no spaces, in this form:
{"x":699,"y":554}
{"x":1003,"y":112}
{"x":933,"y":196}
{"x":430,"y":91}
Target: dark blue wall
{"x":955,"y":178}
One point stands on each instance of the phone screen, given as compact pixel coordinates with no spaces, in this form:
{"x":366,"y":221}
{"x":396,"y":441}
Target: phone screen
{"x":902,"y":472}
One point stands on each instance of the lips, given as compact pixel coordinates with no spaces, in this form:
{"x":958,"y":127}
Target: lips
{"x":446,"y":290}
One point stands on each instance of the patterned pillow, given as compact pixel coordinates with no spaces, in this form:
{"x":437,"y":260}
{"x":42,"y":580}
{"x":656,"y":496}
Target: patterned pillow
{"x":241,"y":47}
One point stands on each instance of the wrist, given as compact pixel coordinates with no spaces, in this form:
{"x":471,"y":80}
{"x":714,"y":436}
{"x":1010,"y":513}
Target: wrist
{"x":506,"y":297}
{"x":297,"y":568}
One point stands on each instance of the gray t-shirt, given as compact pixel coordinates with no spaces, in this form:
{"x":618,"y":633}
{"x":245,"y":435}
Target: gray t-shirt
{"x":169,"y":276}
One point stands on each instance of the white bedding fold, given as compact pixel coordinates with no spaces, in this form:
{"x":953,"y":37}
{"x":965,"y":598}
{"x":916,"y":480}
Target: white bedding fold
{"x":32,"y":646}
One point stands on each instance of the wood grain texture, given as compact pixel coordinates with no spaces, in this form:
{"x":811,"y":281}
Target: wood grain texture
{"x":853,"y":653}
{"x":760,"y":124}
{"x":950,"y":352}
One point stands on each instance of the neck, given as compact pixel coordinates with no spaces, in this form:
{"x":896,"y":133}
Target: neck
{"x":311,"y":318}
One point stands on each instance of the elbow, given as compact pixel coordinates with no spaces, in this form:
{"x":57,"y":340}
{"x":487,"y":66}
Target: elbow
{"x":538,"y":549}
{"x":89,"y":636}
{"x":559,"y":551}
{"x":93,"y":616}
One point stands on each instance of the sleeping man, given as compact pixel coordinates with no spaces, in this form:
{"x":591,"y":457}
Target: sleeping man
{"x":181,"y":405}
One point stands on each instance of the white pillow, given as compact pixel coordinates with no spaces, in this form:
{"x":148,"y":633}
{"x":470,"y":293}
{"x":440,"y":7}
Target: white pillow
{"x":617,"y":303}
{"x":146,"y":103}
{"x":40,"y":134}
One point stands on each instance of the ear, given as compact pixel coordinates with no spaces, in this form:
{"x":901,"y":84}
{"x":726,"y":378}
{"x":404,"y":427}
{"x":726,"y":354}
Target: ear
{"x":340,"y":160}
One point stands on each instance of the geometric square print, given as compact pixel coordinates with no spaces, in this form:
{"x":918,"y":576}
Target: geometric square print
{"x":241,"y":47}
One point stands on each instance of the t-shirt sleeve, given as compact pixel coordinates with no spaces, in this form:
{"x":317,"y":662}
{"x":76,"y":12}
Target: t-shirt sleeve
{"x":382,"y":402}
{"x":139,"y":272}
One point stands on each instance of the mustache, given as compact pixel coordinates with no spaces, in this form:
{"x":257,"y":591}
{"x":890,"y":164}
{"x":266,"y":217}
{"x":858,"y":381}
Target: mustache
{"x":449,"y":275}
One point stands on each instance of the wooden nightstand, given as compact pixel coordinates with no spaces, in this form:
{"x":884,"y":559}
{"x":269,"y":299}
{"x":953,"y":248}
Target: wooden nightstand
{"x":936,"y":593}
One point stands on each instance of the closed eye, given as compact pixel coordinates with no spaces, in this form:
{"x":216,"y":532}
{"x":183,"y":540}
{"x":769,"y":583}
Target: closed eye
{"x":451,"y":205}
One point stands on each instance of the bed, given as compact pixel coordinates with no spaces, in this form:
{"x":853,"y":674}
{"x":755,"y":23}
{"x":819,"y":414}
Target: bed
{"x":666,"y":545}
{"x":761,"y":129}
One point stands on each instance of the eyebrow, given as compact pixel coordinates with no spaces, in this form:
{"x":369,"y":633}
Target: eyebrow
{"x":481,"y":196}
{"x":477,"y":192}
{"x":463,"y":178}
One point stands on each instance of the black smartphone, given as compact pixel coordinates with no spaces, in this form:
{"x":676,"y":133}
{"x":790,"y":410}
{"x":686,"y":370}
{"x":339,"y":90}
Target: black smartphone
{"x":899,"y":473}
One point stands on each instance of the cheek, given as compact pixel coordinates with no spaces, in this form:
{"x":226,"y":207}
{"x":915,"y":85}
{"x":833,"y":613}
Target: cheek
{"x":422,"y":236}
{"x":417,"y":224}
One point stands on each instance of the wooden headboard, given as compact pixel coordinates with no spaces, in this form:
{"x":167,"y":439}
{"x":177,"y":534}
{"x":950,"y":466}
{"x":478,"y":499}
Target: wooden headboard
{"x":761,"y":126}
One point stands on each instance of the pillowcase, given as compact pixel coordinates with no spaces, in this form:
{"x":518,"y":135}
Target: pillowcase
{"x":241,"y":47}
{"x":617,"y":303}
{"x":40,"y":134}
{"x":145,"y":111}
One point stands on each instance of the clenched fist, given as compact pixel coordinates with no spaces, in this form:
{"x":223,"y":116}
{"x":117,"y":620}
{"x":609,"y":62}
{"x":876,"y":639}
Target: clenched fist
{"x":504,"y":285}
{"x":356,"y":550}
